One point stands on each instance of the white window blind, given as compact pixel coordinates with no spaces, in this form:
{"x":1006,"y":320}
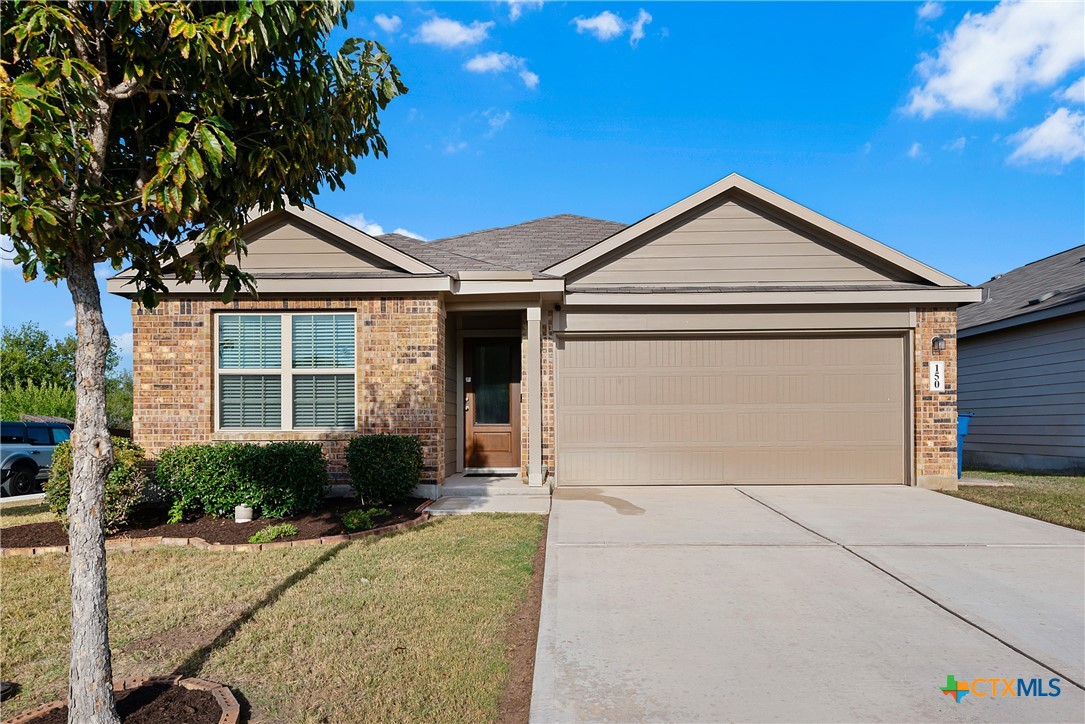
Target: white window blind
{"x":323,"y":340}
{"x":303,"y":379}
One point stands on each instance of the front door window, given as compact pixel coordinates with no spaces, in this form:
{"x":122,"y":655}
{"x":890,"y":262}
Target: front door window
{"x":492,"y":383}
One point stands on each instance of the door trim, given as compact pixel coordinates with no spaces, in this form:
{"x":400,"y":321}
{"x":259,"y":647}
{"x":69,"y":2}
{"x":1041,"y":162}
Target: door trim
{"x":516,"y":400}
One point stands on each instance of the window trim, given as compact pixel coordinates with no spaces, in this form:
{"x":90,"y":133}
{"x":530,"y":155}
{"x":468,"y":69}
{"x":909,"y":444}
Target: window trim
{"x":285,"y":371}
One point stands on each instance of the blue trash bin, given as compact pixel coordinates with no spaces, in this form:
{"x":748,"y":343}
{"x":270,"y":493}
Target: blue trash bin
{"x":963,"y":419}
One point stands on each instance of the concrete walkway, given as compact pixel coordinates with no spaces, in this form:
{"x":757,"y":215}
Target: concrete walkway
{"x":807,"y":604}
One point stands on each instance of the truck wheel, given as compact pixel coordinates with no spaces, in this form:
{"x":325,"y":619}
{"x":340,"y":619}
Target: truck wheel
{"x":22,"y":481}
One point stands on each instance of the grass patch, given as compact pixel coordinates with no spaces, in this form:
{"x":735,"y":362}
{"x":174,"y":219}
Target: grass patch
{"x":20,"y":513}
{"x":410,"y":627}
{"x":1058,"y":499}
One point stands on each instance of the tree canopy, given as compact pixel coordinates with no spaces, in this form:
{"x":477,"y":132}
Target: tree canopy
{"x":30,"y":356}
{"x":147,"y":130}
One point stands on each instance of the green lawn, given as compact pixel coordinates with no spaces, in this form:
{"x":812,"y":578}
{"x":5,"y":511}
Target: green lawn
{"x":1058,"y":499}
{"x":408,"y":627}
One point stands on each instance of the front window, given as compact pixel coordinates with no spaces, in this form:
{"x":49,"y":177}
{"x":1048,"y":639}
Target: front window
{"x":286,"y":371}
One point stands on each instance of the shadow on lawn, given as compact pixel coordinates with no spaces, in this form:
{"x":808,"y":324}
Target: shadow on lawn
{"x":195,"y":662}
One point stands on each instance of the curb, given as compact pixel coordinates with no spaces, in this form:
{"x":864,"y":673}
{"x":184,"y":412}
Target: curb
{"x":231,"y":709}
{"x":130,"y":544}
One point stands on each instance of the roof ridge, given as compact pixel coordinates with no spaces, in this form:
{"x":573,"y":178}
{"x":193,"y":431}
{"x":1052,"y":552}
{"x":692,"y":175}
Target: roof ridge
{"x":522,"y":223}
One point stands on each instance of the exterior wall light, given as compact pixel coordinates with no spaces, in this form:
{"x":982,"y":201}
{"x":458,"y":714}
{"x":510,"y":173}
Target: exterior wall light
{"x":938,"y":344}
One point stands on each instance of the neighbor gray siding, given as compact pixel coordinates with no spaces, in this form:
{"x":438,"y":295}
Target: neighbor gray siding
{"x":732,"y":244}
{"x":1026,"y":386}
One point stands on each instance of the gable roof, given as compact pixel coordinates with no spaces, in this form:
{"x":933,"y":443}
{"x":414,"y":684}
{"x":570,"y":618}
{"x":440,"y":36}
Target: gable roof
{"x":528,"y":246}
{"x":745,"y":189}
{"x":1045,"y":288}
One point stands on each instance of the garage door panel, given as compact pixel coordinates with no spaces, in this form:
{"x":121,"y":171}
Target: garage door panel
{"x":731,"y":410}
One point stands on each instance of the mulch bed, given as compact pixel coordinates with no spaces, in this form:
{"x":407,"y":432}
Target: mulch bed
{"x":150,"y":522}
{"x":155,"y":704}
{"x":515,"y":703}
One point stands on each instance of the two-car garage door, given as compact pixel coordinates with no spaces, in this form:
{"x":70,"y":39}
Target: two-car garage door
{"x":749,"y":410}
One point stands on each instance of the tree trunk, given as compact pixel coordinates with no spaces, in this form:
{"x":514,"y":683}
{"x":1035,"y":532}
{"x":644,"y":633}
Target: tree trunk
{"x":90,"y":681}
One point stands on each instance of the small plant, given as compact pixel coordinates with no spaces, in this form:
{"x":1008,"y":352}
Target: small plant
{"x":123,"y":486}
{"x":384,"y":468}
{"x":362,"y":519}
{"x":272,"y":532}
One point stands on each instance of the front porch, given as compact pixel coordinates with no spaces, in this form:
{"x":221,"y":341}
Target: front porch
{"x":481,"y":493}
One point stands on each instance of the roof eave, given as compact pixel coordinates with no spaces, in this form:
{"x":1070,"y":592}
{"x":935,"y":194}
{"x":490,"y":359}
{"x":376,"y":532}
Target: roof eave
{"x":1017,"y":320}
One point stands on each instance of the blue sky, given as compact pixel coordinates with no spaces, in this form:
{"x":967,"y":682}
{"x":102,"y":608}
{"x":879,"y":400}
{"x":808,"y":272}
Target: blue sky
{"x":952,"y":132}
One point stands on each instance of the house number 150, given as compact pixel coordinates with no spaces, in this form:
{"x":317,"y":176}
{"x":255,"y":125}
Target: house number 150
{"x":938,"y":376}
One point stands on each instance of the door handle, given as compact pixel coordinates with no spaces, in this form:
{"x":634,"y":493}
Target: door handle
{"x":466,"y":403}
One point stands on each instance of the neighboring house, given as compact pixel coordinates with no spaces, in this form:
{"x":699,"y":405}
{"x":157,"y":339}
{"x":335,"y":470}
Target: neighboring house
{"x":733,"y":337}
{"x":1022,"y":368}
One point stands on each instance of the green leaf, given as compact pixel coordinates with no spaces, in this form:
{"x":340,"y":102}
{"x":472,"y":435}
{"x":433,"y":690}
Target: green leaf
{"x":194,"y":163}
{"x":26,"y":86}
{"x":185,"y":117}
{"x":177,"y":27}
{"x":211,"y":147}
{"x":20,"y":114}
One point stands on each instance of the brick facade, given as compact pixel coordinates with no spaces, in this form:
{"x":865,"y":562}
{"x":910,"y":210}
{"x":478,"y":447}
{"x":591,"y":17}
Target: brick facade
{"x":935,"y":413}
{"x":546,"y":339}
{"x":399,"y":376}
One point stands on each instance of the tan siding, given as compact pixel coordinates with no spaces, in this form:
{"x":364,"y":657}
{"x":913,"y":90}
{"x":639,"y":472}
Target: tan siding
{"x":643,"y":411}
{"x":733,"y":244}
{"x":292,"y":245}
{"x":642,"y":319}
{"x":1026,"y":386}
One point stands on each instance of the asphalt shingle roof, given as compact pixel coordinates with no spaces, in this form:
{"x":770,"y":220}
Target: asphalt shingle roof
{"x":530,"y":246}
{"x":1017,"y":292}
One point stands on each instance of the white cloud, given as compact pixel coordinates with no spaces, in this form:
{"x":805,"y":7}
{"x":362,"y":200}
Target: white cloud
{"x":359,"y":221}
{"x":957,"y":144}
{"x":493,"y":63}
{"x":915,"y":150}
{"x":496,"y":120}
{"x":867,"y":147}
{"x":1074,"y":93}
{"x":500,"y":63}
{"x":608,"y":25}
{"x":70,"y":322}
{"x":531,"y":80}
{"x":930,"y":10}
{"x":7,"y":252}
{"x":604,"y":26}
{"x":452,"y":147}
{"x":123,"y":342}
{"x":389,"y":24}
{"x":989,"y":60}
{"x":448,"y":33}
{"x":405,"y":232}
{"x":637,"y":29}
{"x":517,"y":7}
{"x":1060,"y":138}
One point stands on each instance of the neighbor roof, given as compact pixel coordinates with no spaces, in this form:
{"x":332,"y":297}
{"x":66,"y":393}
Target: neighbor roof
{"x":1055,"y":285}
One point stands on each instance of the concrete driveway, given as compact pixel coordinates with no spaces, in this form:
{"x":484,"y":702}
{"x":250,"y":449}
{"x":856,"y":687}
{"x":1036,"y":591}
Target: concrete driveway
{"x":827,"y":603}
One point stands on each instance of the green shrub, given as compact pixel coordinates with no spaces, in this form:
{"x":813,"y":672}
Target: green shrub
{"x":272,"y":532}
{"x":123,"y":487}
{"x":362,"y":519}
{"x":30,"y":399}
{"x":384,"y":468}
{"x":278,"y":479}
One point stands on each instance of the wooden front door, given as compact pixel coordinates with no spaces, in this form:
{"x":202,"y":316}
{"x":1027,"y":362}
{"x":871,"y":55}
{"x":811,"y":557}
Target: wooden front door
{"x":491,"y":368}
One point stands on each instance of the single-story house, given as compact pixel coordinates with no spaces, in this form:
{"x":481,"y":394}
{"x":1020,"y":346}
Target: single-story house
{"x":1022,"y":368}
{"x":735,"y":337}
